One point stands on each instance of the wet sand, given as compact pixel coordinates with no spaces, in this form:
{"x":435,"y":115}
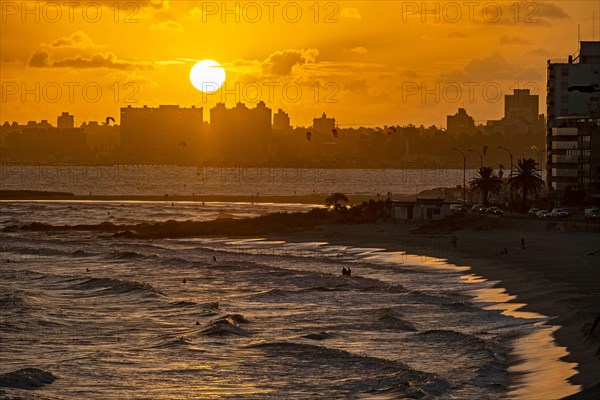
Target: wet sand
{"x":557,"y":274}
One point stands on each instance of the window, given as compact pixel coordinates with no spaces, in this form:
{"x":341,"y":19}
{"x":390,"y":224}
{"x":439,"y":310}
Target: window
{"x":564,"y":72}
{"x":564,"y":98}
{"x":564,"y":85}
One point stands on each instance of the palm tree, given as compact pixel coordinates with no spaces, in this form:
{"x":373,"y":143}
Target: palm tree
{"x":486,"y":181}
{"x":526,"y":179}
{"x":335,"y":199}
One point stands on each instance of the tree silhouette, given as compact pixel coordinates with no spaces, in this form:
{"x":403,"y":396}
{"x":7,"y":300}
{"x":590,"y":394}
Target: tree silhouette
{"x":334,"y":200}
{"x":485,"y":182}
{"x":526,"y":179}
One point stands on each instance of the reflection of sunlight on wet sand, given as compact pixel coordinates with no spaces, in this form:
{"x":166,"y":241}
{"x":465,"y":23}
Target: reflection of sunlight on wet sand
{"x":539,"y":358}
{"x":543,"y":375}
{"x":541,"y":372}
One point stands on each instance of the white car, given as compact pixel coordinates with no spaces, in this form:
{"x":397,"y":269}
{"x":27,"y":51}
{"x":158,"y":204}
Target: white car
{"x":543,"y":214}
{"x":560,"y":213}
{"x":592,"y":214}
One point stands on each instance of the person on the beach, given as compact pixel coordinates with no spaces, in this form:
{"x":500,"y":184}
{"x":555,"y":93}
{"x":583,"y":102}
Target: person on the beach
{"x":454,"y":241}
{"x":522,"y":243}
{"x":504,"y":251}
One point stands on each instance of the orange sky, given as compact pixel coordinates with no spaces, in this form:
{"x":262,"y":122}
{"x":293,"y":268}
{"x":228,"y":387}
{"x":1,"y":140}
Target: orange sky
{"x":363,"y":62}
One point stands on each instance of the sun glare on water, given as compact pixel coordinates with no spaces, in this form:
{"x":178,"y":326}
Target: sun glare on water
{"x":207,"y":76}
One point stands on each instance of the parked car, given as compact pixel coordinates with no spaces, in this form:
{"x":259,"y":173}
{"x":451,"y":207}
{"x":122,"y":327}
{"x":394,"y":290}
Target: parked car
{"x":592,"y":214}
{"x":494,"y":211}
{"x":533,"y":211}
{"x":476,"y":209}
{"x":543,"y":214}
{"x":560,"y":213}
{"x":458,"y":208}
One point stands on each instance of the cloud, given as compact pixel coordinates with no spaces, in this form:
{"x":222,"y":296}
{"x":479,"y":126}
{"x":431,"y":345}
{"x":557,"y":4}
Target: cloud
{"x":359,"y":86}
{"x":12,"y":61}
{"x":492,"y":68}
{"x":548,"y":10}
{"x":79,"y":51}
{"x":540,"y":52}
{"x":451,"y":35}
{"x":283,"y":62}
{"x":508,"y":40}
{"x":42,"y":59}
{"x":78,"y":39}
{"x":194,"y":14}
{"x":358,"y":50}
{"x":409,"y":73}
{"x":350,"y":13}
{"x":169,"y":25}
{"x":156,"y":4}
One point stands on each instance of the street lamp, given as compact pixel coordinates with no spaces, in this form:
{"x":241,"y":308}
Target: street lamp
{"x":511,"y":171}
{"x":480,"y":156}
{"x":464,"y":174}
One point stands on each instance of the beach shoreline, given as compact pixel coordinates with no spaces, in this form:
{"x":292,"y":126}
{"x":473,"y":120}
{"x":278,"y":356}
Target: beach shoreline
{"x":536,"y":275}
{"x":554,"y":275}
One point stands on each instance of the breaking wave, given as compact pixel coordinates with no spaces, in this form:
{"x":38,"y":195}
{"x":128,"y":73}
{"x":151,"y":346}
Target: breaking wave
{"x":107,"y":286}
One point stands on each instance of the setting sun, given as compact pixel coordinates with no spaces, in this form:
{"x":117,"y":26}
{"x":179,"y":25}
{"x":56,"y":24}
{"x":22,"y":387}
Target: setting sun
{"x":207,"y":76}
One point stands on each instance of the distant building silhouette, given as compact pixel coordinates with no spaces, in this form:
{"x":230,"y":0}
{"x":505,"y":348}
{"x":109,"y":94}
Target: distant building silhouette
{"x":573,"y":127}
{"x":281,"y":121}
{"x":460,"y":123}
{"x":65,"y":121}
{"x":42,"y":142}
{"x":323,"y":124}
{"x":167,"y":133}
{"x":521,"y":105}
{"x":104,"y":140}
{"x":521,"y":115}
{"x":240,"y":133}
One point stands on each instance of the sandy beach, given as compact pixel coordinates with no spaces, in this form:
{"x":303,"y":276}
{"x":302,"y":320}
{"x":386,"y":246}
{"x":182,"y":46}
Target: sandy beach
{"x":555,"y":275}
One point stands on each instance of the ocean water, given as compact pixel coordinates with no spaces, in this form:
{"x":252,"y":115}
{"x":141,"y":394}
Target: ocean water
{"x":224,"y":179}
{"x":84,"y":315}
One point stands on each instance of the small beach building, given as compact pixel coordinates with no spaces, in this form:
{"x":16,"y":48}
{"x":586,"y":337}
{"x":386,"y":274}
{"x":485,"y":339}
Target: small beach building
{"x":420,"y":210}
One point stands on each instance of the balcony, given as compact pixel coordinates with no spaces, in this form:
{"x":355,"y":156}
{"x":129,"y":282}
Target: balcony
{"x":564,"y":145}
{"x":564,"y":159}
{"x":564,"y":131}
{"x":564,"y":172}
